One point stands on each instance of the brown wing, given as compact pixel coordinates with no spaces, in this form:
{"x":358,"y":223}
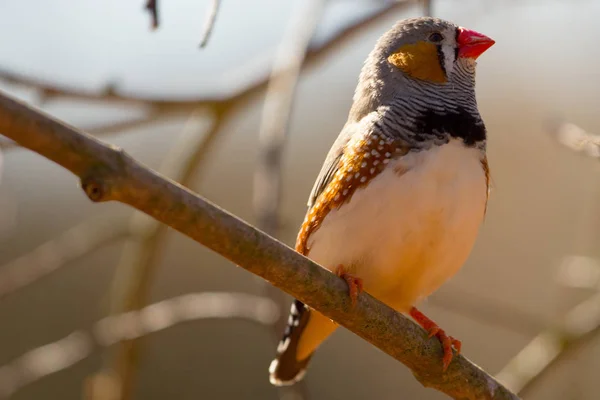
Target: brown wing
{"x":363,"y":158}
{"x":486,"y":171}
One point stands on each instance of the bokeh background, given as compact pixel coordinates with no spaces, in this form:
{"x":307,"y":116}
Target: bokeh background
{"x":526,"y":299}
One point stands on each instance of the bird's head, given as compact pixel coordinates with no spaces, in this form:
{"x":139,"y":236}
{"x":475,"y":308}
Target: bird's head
{"x":420,"y":54}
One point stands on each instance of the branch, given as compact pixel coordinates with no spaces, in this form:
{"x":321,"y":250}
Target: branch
{"x":152,"y":8}
{"x":123,"y":126}
{"x":58,"y":252}
{"x":548,"y":348}
{"x":210,"y":22}
{"x":575,"y":138}
{"x":427,"y":8}
{"x":107,"y":173}
{"x":138,"y":263}
{"x":274,"y":128}
{"x":68,"y":351}
{"x":314,"y":55}
{"x":479,"y":308}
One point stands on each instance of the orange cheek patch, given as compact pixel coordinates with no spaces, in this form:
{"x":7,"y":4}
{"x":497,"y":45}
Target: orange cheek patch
{"x":420,"y":61}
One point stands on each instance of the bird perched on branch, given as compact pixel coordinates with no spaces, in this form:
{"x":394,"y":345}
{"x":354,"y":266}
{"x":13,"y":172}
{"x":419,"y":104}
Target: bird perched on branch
{"x":399,"y":200}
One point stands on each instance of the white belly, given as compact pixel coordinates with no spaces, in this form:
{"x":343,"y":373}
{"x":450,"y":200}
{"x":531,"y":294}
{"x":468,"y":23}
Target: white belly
{"x":411,"y":228}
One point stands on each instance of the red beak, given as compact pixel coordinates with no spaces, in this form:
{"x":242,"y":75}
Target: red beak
{"x":472,"y":44}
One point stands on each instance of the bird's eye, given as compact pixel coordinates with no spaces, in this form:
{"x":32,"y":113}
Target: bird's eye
{"x":436,"y":37}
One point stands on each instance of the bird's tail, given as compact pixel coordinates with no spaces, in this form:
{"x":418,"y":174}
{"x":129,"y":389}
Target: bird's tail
{"x":305,"y":331}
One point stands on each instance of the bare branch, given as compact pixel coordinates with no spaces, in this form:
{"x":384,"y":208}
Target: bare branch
{"x":140,"y":258}
{"x":210,"y":22}
{"x":579,"y":272}
{"x":552,"y":345}
{"x":152,"y":7}
{"x":276,"y":112}
{"x":107,"y":173}
{"x":427,"y":8}
{"x":51,"y":91}
{"x":68,"y":351}
{"x":575,"y":138}
{"x":8,"y":145}
{"x":273,"y":132}
{"x":122,"y":126}
{"x":476,"y":307}
{"x":58,"y":252}
{"x":314,"y":55}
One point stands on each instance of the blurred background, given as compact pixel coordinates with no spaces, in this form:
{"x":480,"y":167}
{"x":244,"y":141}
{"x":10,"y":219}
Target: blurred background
{"x":526,"y":305}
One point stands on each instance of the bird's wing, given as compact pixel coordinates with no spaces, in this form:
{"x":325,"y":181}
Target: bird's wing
{"x":330,"y":166}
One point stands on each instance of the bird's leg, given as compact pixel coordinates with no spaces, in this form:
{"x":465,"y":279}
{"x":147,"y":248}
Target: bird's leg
{"x":355,"y":284}
{"x":434,"y":330}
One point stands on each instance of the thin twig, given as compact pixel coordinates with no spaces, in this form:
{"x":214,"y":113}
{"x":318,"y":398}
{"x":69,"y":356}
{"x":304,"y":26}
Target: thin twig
{"x":209,"y":25}
{"x":58,"y":252}
{"x":68,"y":351}
{"x":314,"y":55}
{"x":427,"y":8}
{"x":122,"y":126}
{"x":272,"y":137}
{"x":575,"y":138}
{"x":107,"y":173}
{"x":152,"y":8}
{"x":549,"y":347}
{"x":135,"y":272}
{"x":479,"y":308}
{"x":8,"y":145}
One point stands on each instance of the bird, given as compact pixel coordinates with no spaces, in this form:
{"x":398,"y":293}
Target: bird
{"x":398,"y":203}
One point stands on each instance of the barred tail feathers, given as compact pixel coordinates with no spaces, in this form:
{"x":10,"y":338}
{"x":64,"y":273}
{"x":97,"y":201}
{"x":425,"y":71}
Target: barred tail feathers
{"x":305,"y":331}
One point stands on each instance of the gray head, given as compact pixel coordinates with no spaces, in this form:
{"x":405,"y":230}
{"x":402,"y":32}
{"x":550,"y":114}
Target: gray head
{"x":420,"y":56}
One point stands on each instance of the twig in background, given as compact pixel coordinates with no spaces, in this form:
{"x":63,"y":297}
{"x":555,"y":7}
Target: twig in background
{"x":314,"y":55}
{"x":575,"y":138}
{"x":209,"y":25}
{"x":163,"y":108}
{"x":119,"y":127}
{"x":152,"y":7}
{"x":579,"y":272}
{"x":107,"y":173}
{"x":68,"y":351}
{"x":8,"y":145}
{"x":274,"y":127}
{"x":427,"y":8}
{"x":58,"y":252}
{"x":479,"y":308}
{"x":140,"y":258}
{"x":550,"y":346}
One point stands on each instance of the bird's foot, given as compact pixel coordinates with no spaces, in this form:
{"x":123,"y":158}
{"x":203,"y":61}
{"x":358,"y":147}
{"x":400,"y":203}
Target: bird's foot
{"x":434,"y":330}
{"x":355,"y":284}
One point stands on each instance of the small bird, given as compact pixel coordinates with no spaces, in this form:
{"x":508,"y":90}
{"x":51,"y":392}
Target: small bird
{"x":399,"y":200}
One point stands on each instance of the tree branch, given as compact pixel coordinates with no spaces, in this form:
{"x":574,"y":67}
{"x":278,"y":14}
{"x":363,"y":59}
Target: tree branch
{"x":547,"y":349}
{"x":68,"y":351}
{"x":107,"y":173}
{"x":210,"y":22}
{"x":152,"y":7}
{"x":273,"y":133}
{"x":58,"y":252}
{"x":138,"y":263}
{"x":314,"y":55}
{"x":427,"y":8}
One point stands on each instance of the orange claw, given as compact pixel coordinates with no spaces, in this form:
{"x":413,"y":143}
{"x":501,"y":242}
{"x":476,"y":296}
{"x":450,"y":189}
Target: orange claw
{"x":355,"y":284}
{"x":434,"y":330}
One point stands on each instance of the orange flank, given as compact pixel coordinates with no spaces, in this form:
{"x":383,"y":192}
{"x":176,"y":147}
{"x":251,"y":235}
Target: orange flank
{"x":364,"y":158}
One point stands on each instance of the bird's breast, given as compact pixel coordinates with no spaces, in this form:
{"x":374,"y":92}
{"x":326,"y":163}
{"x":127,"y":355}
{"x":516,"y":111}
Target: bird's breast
{"x":412,"y":227}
